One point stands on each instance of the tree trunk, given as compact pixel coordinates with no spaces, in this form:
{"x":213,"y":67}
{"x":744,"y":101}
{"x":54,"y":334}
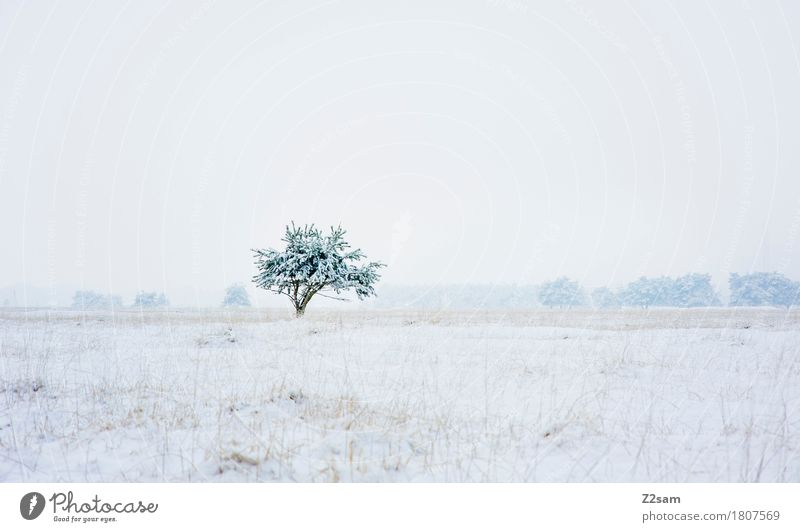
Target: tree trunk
{"x":299,"y":310}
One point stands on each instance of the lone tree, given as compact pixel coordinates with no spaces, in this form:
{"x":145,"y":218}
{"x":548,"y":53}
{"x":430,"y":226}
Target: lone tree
{"x":313,"y":263}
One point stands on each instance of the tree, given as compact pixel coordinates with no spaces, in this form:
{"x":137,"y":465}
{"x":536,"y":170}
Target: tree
{"x":762,"y":288}
{"x":89,"y":300}
{"x":694,"y":290}
{"x":642,"y":292}
{"x":236,"y":296}
{"x":786,"y":293}
{"x":690,"y":290}
{"x":561,"y":292}
{"x":312,"y":264}
{"x":604,"y":297}
{"x":150,"y":300}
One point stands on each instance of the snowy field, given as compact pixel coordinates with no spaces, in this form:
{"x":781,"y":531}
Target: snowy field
{"x":536,"y":396}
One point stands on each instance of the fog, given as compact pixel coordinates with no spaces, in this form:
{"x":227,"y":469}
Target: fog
{"x":150,"y":145}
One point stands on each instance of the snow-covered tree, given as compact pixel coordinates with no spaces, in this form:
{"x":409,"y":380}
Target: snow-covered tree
{"x":313,"y":263}
{"x":691,"y":290}
{"x":563,"y":292}
{"x":750,"y":289}
{"x":763,"y":288}
{"x":604,"y":297}
{"x":642,"y":292}
{"x":786,"y":293}
{"x":150,"y":300}
{"x":236,"y":296}
{"x":694,"y":290}
{"x":89,"y":300}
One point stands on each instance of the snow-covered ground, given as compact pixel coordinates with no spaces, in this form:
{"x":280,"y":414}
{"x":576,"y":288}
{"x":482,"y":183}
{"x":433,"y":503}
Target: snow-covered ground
{"x":543,"y":396}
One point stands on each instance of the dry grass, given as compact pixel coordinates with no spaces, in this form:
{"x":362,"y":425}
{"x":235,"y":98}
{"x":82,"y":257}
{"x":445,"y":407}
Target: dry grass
{"x":543,"y":395}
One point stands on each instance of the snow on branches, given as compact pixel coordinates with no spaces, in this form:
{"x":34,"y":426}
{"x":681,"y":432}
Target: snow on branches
{"x":314,"y":263}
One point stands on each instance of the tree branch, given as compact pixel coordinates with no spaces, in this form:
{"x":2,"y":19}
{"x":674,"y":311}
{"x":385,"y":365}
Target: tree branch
{"x":332,"y":297}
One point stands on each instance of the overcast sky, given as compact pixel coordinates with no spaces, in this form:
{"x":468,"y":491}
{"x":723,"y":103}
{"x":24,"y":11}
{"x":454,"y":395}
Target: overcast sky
{"x":149,"y":145}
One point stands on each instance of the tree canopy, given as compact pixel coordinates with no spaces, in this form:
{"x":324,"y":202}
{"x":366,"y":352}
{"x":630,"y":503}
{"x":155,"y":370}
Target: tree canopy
{"x":236,"y":296}
{"x":314,"y":263}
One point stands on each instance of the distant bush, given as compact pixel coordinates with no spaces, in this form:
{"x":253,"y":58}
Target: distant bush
{"x":236,"y":296}
{"x":89,"y":300}
{"x":150,"y":300}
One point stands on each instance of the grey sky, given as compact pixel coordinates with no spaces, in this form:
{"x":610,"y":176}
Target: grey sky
{"x":150,"y":145}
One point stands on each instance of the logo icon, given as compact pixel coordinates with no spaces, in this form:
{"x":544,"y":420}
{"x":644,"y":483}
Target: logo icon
{"x":31,"y":505}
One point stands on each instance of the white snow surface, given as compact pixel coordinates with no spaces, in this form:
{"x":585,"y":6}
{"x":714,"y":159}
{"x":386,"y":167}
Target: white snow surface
{"x":667,"y":395}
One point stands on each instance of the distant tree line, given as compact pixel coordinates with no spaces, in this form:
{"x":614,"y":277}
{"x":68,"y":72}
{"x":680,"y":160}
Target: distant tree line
{"x":150,"y":300}
{"x":235,"y":296}
{"x":86,"y":299}
{"x":691,"y":290}
{"x":760,"y":288}
{"x":90,"y":300}
{"x":563,"y":292}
